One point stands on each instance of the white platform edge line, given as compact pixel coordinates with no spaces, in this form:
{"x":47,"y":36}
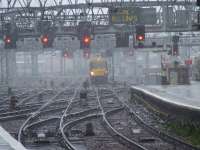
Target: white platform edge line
{"x":10,"y":140}
{"x":165,"y":99}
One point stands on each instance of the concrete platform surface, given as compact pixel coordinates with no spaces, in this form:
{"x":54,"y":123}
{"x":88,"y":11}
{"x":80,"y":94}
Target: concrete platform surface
{"x":184,"y":95}
{"x":7,"y":142}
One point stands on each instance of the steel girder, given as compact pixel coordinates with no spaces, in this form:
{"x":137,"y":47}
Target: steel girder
{"x":65,"y":14}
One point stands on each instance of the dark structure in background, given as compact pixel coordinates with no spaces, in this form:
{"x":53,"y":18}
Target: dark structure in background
{"x":122,"y":40}
{"x":198,"y":3}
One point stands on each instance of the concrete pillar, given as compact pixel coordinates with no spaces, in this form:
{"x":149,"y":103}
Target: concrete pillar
{"x":147,"y":67}
{"x":61,"y":66}
{"x":51,"y":64}
{"x":64,"y":66}
{"x":34,"y":63}
{"x":2,"y":67}
{"x":10,"y":66}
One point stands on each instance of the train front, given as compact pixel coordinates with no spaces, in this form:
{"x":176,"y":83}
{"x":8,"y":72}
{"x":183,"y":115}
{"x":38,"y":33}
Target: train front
{"x":98,"y":70}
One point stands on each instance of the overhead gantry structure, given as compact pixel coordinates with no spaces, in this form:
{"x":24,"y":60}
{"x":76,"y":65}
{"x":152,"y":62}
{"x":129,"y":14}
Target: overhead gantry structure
{"x":65,"y":15}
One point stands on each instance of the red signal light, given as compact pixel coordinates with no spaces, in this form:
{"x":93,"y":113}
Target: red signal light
{"x":44,"y":39}
{"x":188,"y":62}
{"x":65,"y":55}
{"x":140,"y":37}
{"x":7,"y":40}
{"x":86,"y":40}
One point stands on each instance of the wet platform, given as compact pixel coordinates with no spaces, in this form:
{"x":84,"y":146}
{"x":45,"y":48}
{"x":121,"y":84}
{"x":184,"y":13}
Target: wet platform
{"x":7,"y":142}
{"x":184,"y":95}
{"x":176,"y":101}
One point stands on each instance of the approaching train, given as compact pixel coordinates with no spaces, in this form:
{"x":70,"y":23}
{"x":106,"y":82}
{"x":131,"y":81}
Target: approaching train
{"x":98,"y":70}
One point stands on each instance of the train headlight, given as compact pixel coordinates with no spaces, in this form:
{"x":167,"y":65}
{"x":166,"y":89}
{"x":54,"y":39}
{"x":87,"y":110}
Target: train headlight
{"x":92,"y":73}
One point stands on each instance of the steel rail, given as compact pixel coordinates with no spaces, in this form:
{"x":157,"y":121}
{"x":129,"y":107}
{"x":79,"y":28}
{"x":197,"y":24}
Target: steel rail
{"x":161,"y":134}
{"x":35,"y":114}
{"x":113,"y":131}
{"x":66,"y":141}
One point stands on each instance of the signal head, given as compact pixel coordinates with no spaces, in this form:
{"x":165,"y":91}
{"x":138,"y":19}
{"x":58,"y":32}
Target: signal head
{"x":7,"y":40}
{"x":140,"y":37}
{"x":44,"y":39}
{"x":86,"y":40}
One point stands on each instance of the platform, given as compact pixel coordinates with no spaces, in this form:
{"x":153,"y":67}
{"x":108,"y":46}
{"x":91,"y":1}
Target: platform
{"x":185,"y":95}
{"x":7,"y":142}
{"x":178,"y":101}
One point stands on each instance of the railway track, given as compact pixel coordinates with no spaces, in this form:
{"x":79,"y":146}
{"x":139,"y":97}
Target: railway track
{"x":149,"y":122}
{"x":12,"y":119}
{"x":76,"y":123}
{"x":63,"y":118}
{"x":49,"y":109}
{"x":23,"y":108}
{"x":20,"y":94}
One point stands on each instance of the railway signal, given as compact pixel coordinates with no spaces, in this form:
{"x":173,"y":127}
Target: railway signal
{"x":175,"y":46}
{"x":85,"y":41}
{"x":85,"y":31}
{"x":7,"y":39}
{"x":9,"y":42}
{"x":47,"y":33}
{"x":140,"y":35}
{"x":47,"y":40}
{"x":10,"y":36}
{"x":67,"y":54}
{"x":44,"y":39}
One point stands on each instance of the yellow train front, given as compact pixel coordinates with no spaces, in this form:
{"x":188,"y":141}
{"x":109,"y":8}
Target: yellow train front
{"x":98,"y":70}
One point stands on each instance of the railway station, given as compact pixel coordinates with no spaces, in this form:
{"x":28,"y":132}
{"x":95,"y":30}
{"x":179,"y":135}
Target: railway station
{"x":99,"y":74}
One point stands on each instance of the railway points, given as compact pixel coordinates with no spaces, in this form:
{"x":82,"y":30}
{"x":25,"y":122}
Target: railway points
{"x":66,"y":119}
